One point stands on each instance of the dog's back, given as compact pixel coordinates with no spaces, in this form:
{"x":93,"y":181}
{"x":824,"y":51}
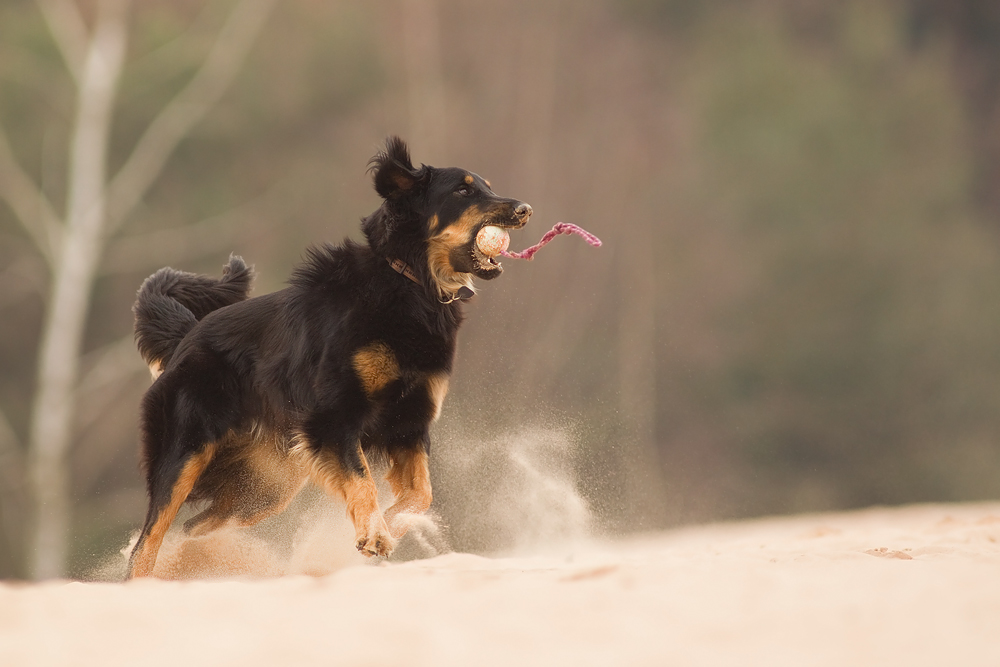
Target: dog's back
{"x":171,"y":302}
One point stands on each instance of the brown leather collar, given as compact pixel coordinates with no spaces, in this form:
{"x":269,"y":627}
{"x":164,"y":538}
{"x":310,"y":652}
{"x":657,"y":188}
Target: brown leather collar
{"x":402,"y":268}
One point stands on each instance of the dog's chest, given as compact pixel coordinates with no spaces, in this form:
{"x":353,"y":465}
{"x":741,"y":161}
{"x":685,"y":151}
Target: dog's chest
{"x":381,"y":364}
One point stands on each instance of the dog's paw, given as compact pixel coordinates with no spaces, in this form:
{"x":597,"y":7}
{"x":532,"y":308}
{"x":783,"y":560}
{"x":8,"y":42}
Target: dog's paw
{"x":378,"y":542}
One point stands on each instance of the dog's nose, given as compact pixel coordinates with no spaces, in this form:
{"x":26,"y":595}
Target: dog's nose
{"x":523,"y":212}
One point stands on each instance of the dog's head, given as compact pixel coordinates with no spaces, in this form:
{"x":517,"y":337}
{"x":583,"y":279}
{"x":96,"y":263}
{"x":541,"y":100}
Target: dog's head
{"x":430,"y":218}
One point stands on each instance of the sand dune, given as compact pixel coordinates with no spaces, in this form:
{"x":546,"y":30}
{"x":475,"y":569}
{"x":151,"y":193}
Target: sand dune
{"x":911,"y":586}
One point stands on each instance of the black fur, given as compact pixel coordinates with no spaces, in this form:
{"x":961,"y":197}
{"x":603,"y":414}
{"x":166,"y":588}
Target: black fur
{"x":346,"y":365}
{"x":171,"y":302}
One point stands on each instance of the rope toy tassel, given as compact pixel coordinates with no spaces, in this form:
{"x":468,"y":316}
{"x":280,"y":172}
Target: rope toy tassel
{"x":559,"y":228}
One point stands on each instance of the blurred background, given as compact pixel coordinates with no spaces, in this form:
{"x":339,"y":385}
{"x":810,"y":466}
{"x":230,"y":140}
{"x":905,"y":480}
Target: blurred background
{"x":796,"y":307}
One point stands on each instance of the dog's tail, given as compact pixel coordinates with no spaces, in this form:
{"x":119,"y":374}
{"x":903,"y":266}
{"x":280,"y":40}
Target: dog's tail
{"x":171,"y":302}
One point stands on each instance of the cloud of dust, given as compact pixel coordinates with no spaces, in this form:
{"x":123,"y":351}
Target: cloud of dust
{"x":312,"y":537}
{"x":514,"y":493}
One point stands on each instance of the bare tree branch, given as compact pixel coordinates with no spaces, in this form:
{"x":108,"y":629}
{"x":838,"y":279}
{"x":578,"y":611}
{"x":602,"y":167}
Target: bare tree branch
{"x":30,"y":205}
{"x":142,"y":251}
{"x":139,"y":252}
{"x":25,"y":275}
{"x":108,"y":376}
{"x":94,"y":209}
{"x":69,"y":30}
{"x":70,"y":291}
{"x":189,"y":106}
{"x":180,"y":52}
{"x":109,"y":364}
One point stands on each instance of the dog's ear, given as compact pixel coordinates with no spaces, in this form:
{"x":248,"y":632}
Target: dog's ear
{"x":394,"y":174}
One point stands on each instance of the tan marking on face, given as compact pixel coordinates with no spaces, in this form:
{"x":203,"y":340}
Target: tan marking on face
{"x":144,"y":557}
{"x":469,"y":180}
{"x":487,"y":184}
{"x":376,"y":367}
{"x":433,"y":223}
{"x":156,"y":369}
{"x":439,"y":249}
{"x":410,"y":480}
{"x":437,"y":388}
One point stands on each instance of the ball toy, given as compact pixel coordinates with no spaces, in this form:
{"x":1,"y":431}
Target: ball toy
{"x":492,"y":241}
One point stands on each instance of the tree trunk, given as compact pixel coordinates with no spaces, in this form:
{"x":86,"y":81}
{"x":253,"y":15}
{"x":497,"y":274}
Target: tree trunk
{"x":70,"y":291}
{"x":95,"y":209}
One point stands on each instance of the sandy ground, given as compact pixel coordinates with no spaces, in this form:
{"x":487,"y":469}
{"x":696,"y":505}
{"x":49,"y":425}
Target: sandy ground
{"x":910,"y":586}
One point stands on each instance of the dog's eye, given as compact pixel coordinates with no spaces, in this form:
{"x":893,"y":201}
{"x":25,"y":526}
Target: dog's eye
{"x":465,"y":191}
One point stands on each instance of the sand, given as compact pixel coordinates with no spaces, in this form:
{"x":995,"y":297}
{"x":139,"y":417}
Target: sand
{"x":910,"y":586}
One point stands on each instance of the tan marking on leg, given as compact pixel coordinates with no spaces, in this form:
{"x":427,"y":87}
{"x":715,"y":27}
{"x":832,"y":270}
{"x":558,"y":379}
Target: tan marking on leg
{"x":437,"y":388}
{"x":410,"y":480}
{"x":276,"y":479}
{"x":252,"y":477}
{"x":358,"y":492}
{"x":376,"y":367}
{"x":144,"y":561}
{"x":372,"y":537}
{"x":212,"y":518}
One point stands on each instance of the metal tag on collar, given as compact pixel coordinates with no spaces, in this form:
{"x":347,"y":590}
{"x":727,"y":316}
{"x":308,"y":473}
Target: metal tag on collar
{"x":463,"y":294}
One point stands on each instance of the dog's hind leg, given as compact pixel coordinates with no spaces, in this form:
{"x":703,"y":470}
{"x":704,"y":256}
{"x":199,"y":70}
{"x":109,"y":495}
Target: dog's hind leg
{"x":274,"y":478}
{"x":410,"y":480}
{"x":214,"y":516}
{"x":167,"y":493}
{"x":260,"y":481}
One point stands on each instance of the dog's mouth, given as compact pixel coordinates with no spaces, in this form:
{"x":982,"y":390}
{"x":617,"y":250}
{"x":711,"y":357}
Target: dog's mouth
{"x":486,"y":246}
{"x":485,"y":267}
{"x":489,"y":241}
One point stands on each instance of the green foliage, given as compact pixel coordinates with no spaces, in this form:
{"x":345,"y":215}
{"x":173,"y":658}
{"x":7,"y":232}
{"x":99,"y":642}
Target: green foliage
{"x":862,"y":353}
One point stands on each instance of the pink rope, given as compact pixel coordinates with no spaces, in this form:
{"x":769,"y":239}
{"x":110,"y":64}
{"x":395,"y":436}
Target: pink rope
{"x":559,"y":228}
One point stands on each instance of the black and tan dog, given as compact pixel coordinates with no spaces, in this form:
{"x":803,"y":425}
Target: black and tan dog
{"x":348,"y":365}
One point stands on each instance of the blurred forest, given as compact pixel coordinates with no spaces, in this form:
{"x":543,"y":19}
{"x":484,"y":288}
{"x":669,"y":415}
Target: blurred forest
{"x":796,"y":307}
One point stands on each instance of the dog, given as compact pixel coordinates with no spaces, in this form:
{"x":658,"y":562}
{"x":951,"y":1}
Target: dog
{"x":252,"y":398}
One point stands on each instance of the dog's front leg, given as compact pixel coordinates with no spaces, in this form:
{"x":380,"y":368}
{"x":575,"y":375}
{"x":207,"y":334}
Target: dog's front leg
{"x":347,"y":476}
{"x":410,"y":480}
{"x":372,"y":536}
